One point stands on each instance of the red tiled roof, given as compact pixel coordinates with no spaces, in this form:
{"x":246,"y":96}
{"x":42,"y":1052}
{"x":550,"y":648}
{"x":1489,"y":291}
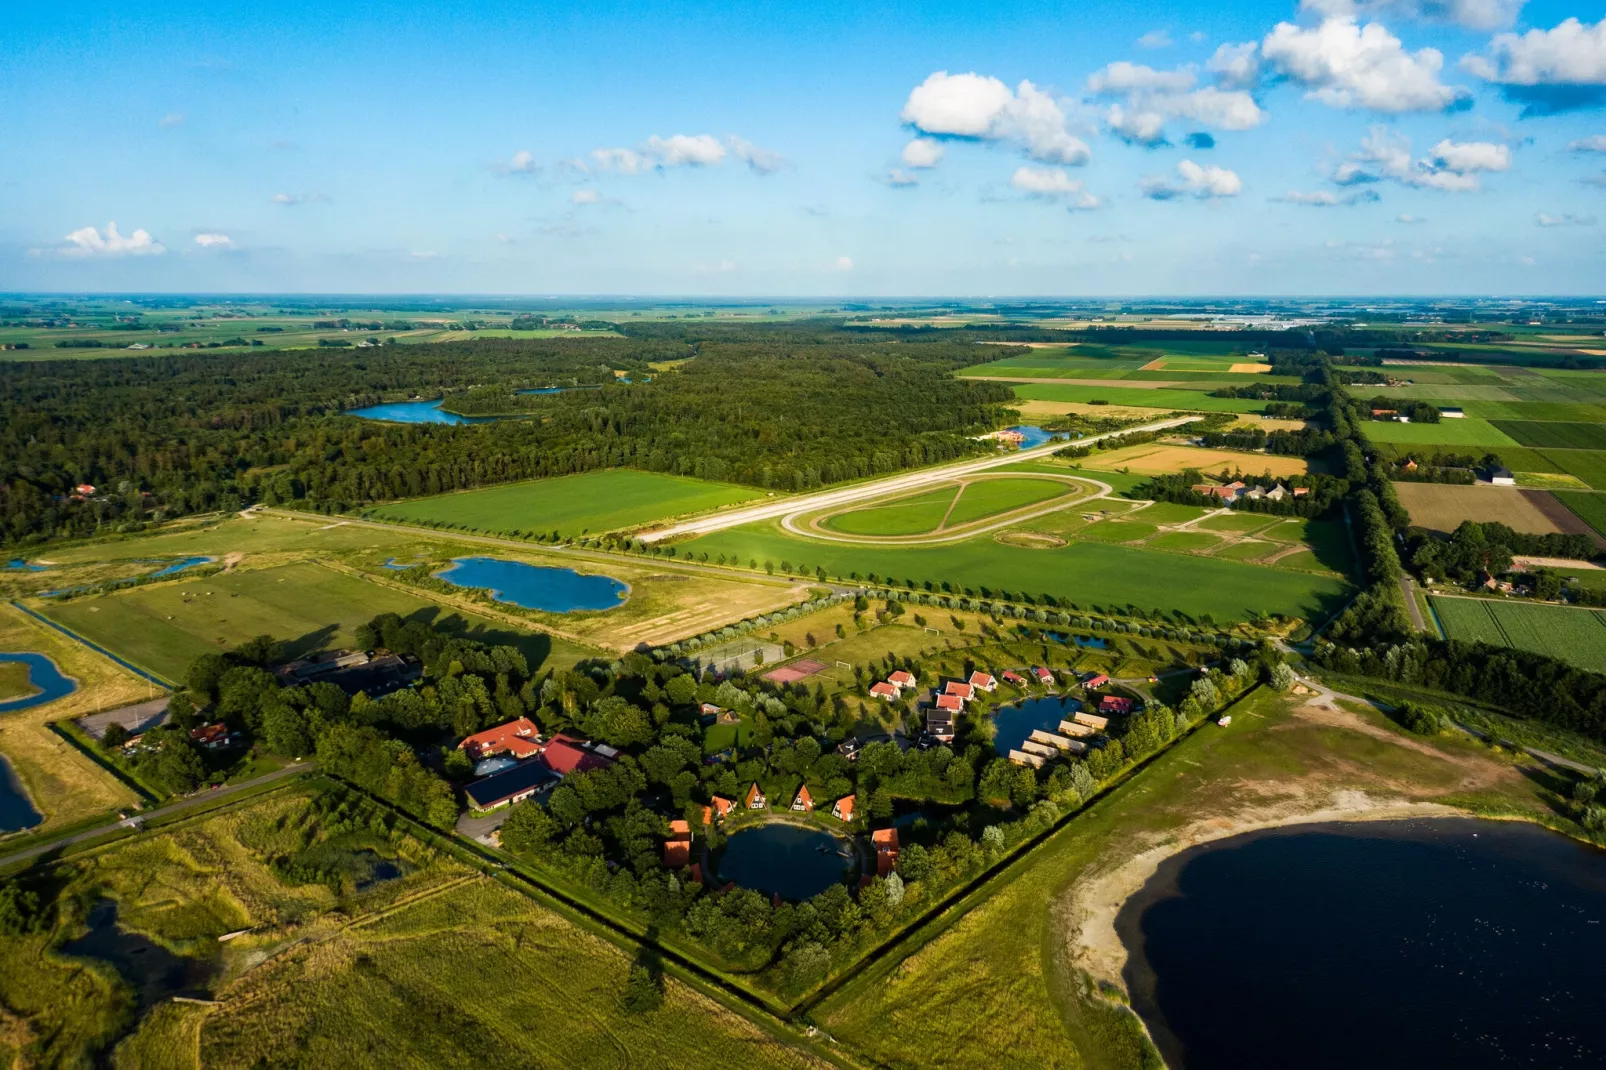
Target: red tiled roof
{"x":804,"y":797}
{"x":886,"y":850}
{"x":962,"y":690}
{"x":752,"y":793}
{"x":517,"y":737}
{"x":901,"y":678}
{"x":209,"y":733}
{"x":565,"y":755}
{"x":882,"y":689}
{"x":843,"y":808}
{"x":950,"y":702}
{"x":981,"y":679}
{"x":722,"y":806}
{"x":679,"y":829}
{"x":677,"y":853}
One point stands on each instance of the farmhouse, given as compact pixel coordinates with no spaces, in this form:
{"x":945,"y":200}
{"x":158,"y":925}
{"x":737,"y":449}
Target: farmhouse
{"x":1111,"y":704}
{"x":982,"y":681}
{"x":510,"y":786}
{"x":901,"y":679}
{"x":804,"y":802}
{"x":886,"y":850}
{"x":755,"y":799}
{"x":519,"y":738}
{"x":842,"y":809}
{"x":883,"y":691}
{"x":1501,"y":476}
{"x":212,"y":736}
{"x":1229,"y":493}
{"x":1043,"y":675}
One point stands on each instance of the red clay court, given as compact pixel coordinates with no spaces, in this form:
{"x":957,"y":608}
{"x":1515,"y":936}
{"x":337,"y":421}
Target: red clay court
{"x":791,"y":674}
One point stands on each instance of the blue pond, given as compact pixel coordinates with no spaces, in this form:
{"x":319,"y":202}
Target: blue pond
{"x":42,"y":674}
{"x":1454,"y":943}
{"x":558,"y":389}
{"x":1088,"y":642}
{"x":180,"y":566}
{"x":790,"y":860}
{"x":551,"y":590}
{"x":415,"y":412}
{"x":1016,"y":721}
{"x":16,"y":809}
{"x":1035,"y":436}
{"x":22,"y":566}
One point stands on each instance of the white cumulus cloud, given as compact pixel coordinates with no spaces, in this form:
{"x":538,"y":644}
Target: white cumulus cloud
{"x":922,"y":152}
{"x":214,"y":240}
{"x":1053,"y":184}
{"x":1207,"y":182}
{"x":1571,"y":54}
{"x":1470,"y":156}
{"x":1150,"y":97}
{"x":985,"y":109}
{"x":678,"y":150}
{"x":1471,"y":14}
{"x":1236,"y":66}
{"x":1345,"y":65}
{"x":1155,"y":39}
{"x":87,"y":242}
{"x":1593,"y":143}
{"x":759,"y":161}
{"x":520,"y":163}
{"x":1125,"y":77}
{"x":585,"y":196}
{"x":1450,"y":166}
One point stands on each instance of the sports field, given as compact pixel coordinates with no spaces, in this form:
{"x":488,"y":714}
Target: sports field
{"x":592,"y":502}
{"x":1443,"y":506}
{"x":1085,"y":573}
{"x":1576,"y":636}
{"x":164,"y":627}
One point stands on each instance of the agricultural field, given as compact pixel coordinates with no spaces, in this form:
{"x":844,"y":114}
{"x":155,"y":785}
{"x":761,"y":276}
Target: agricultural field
{"x":1084,"y":573}
{"x":1557,"y":435}
{"x":1131,"y":394}
{"x":1590,"y":508}
{"x":590,"y":503}
{"x":950,"y":507}
{"x":64,"y":785}
{"x":1576,"y":636}
{"x":1464,"y":432}
{"x":1443,"y":506}
{"x":1157,"y":458}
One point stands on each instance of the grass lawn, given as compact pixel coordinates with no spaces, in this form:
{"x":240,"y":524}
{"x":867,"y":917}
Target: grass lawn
{"x":989,"y":497}
{"x":1576,"y":636}
{"x":14,"y":680}
{"x":1246,"y":551}
{"x":1084,"y":573}
{"x":1162,"y":397}
{"x":164,"y":627}
{"x":1183,"y":540}
{"x":913,"y":515}
{"x":1238,"y":523}
{"x":1172,"y":513}
{"x":1015,"y":972}
{"x":1464,"y":432}
{"x":1118,"y":531}
{"x":574,"y":505}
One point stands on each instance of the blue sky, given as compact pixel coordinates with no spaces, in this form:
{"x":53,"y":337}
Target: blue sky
{"x":1342,"y":147}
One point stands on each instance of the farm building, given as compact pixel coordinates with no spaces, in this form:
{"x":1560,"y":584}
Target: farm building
{"x":1094,"y":681}
{"x":1450,"y":413}
{"x":1012,"y":677}
{"x":883,"y":691}
{"x":1229,"y":493}
{"x":885,"y":842}
{"x":981,"y":681}
{"x":803,"y":802}
{"x":1112,"y":704}
{"x":842,"y":809}
{"x":566,"y":754}
{"x":518,"y":738}
{"x":901,"y":679}
{"x":211,"y":736}
{"x":1501,"y":476}
{"x":1043,"y":675}
{"x":755,"y":799}
{"x":510,"y":786}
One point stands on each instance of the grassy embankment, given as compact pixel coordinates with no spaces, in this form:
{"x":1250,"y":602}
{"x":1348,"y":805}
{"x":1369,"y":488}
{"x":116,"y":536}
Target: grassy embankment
{"x":1020,"y":970}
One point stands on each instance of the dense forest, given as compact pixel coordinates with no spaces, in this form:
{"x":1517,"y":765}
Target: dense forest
{"x":169,"y":435}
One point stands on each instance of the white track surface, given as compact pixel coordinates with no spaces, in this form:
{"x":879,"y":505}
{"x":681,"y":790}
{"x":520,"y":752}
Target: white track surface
{"x":879,"y":488}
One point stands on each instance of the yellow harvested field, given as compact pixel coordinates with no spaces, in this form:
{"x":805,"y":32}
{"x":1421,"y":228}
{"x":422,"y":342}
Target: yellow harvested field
{"x":1251,"y":368}
{"x":1272,"y":425}
{"x":1041,"y":410}
{"x":1442,"y":507}
{"x":1154,"y":365}
{"x":1152,"y":459}
{"x":710,"y":604}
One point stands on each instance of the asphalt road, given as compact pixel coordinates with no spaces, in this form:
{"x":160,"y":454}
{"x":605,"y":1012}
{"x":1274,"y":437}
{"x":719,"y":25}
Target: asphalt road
{"x":202,"y":799}
{"x":879,"y":487}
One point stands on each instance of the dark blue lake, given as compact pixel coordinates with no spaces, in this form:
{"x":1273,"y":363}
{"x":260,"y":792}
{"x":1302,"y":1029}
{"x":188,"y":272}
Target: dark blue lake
{"x":1456,"y":943}
{"x":551,"y":590}
{"x":1016,"y":721}
{"x":42,"y":674}
{"x":415,"y":412}
{"x":790,"y":860}
{"x":16,"y":809}
{"x":1035,"y":436}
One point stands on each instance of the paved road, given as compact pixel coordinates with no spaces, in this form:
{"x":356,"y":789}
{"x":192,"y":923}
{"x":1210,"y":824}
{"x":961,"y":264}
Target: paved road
{"x":1408,"y":589}
{"x":205,"y":798}
{"x":880,"y":487}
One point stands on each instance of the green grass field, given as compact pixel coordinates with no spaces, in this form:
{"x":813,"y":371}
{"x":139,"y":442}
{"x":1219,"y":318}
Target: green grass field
{"x":990,"y":497}
{"x":1559,"y":435}
{"x":1463,"y":432}
{"x":1577,"y":636}
{"x":592,"y":502}
{"x":1187,"y":541}
{"x":978,"y":500}
{"x":1588,"y":465}
{"x":164,"y":627}
{"x":1162,"y":398}
{"x":1085,"y":573}
{"x":1590,"y":508}
{"x":914,"y":515}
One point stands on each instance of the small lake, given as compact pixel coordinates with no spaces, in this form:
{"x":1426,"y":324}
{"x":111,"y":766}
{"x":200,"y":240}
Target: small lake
{"x":559,"y":389}
{"x":792,"y":861}
{"x":1086,"y":642}
{"x":1450,"y":942}
{"x":415,"y":412}
{"x":1035,"y":436}
{"x":43,"y":675}
{"x":16,"y":809}
{"x":1016,"y":721}
{"x":21,"y":565}
{"x":156,"y":973}
{"x":551,"y":590}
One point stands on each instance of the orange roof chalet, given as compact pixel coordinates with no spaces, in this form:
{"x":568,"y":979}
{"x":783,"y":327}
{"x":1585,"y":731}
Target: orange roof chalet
{"x":950,"y":702}
{"x":520,"y":738}
{"x":722,"y":806}
{"x":842,"y":809}
{"x":755,"y":798}
{"x":964,"y":691}
{"x":804,"y":801}
{"x":886,"y":850}
{"x":982,"y":681}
